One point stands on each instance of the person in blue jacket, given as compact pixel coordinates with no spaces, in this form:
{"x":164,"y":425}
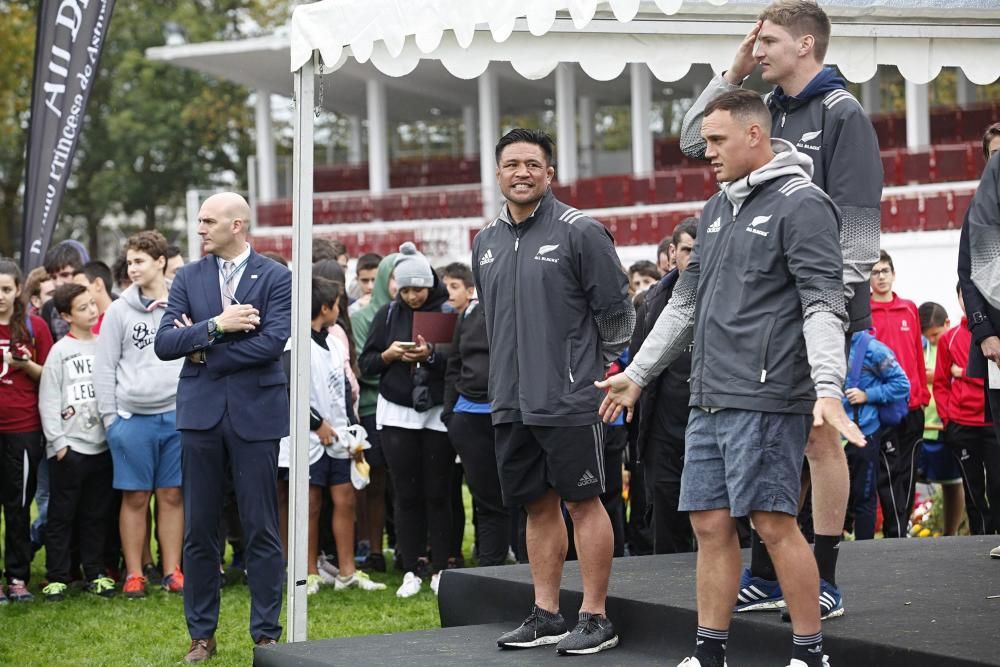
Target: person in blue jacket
{"x":879,"y":381}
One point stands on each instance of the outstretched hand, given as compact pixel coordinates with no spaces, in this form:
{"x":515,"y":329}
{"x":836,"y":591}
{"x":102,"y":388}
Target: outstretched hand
{"x":831,"y":411}
{"x":622,"y":394}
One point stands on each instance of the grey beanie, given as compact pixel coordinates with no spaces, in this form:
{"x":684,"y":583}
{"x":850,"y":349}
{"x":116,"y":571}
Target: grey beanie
{"x":412,"y":269}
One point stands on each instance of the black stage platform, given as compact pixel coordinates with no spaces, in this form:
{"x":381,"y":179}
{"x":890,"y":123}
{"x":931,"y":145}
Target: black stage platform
{"x":910,"y":603}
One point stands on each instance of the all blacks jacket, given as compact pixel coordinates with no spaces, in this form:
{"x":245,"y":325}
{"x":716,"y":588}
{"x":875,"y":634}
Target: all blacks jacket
{"x":557,"y":312}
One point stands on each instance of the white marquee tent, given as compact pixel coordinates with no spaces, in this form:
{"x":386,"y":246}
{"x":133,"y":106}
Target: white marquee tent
{"x":535,"y":37}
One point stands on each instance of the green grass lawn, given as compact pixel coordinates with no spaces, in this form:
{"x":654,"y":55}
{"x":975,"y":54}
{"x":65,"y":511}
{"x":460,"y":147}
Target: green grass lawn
{"x":85,"y":630}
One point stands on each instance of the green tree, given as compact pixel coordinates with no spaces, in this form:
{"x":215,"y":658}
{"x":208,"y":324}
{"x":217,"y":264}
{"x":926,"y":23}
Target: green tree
{"x":17,"y":44}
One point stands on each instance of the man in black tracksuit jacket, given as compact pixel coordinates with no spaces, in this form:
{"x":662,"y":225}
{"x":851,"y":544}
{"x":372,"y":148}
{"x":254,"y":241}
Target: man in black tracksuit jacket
{"x":557,"y":313}
{"x":657,"y":429}
{"x":811,"y":108}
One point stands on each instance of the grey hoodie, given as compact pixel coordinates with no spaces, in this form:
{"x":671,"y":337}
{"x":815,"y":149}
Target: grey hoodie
{"x":66,"y":398}
{"x":762,"y":297}
{"x":128,"y":376}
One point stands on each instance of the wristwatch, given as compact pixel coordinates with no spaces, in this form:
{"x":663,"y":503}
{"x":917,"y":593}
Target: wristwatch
{"x":213,"y":328}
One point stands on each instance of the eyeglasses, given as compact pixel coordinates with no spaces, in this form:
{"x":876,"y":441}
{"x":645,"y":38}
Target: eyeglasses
{"x":878,"y":273}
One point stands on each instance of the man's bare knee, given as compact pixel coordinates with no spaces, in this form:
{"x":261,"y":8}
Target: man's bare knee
{"x":713,"y":526}
{"x":774,"y":527}
{"x":545,"y":505}
{"x":581,"y":510}
{"x":824,"y":445}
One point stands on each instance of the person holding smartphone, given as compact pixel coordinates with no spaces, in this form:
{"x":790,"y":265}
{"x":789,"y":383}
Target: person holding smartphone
{"x":408,"y":418}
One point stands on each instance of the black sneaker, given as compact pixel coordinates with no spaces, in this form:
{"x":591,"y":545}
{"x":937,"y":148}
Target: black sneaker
{"x":374,"y":563}
{"x":541,"y":628}
{"x":152,"y":573}
{"x":592,"y":634}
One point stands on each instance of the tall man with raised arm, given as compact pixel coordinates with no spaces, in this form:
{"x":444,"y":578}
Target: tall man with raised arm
{"x":557,"y":314}
{"x":229,"y":316}
{"x":762,"y":300}
{"x":811,"y":108}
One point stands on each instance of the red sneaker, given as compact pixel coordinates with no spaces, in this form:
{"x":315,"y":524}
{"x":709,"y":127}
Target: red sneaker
{"x":135,"y":586}
{"x":174,"y":582}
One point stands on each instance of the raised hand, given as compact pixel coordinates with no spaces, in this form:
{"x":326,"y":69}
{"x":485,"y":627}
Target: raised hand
{"x":744,"y":61}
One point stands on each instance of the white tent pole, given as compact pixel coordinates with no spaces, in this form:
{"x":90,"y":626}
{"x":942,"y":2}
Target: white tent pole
{"x":568,"y":164}
{"x":267,"y":175}
{"x":586,"y":113}
{"x":378,"y":131}
{"x":302,"y":222}
{"x":918,"y":116}
{"x":642,"y":134}
{"x":489,"y":134}
{"x":354,"y":140}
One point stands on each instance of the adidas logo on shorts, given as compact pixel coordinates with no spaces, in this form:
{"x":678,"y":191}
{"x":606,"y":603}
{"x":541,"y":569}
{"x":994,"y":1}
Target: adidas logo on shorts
{"x":587,"y":478}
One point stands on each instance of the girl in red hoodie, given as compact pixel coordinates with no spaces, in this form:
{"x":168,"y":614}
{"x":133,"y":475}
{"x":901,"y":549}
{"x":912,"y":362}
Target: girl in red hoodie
{"x":968,"y":433}
{"x":897,"y":324}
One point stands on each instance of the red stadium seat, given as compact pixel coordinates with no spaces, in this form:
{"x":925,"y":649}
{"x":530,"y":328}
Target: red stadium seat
{"x":916,"y":167}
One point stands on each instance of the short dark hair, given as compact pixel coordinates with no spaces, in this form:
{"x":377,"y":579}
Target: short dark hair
{"x":743,"y":105}
{"x":150,"y":242}
{"x":275,"y":257}
{"x":883,"y":257}
{"x":327,"y":249}
{"x":172,"y":251}
{"x":644,"y":267}
{"x":664,"y":247}
{"x":687,"y":226}
{"x":63,"y":296}
{"x":368,"y":261}
{"x":325,"y":292}
{"x":801,"y":17}
{"x":61,"y":255}
{"x":992,"y":132}
{"x":461,"y":272}
{"x":520,"y":135}
{"x":931,"y":315}
{"x":120,"y":270}
{"x":97,"y":269}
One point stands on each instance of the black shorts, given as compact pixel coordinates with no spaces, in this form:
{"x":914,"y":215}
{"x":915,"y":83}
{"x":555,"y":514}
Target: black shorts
{"x":533,"y":459}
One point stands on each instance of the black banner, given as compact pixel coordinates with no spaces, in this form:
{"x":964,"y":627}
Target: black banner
{"x":68,"y":48}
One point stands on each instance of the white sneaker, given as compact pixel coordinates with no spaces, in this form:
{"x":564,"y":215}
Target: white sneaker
{"x":995,"y":553}
{"x":435,"y":582}
{"x":798,"y":663}
{"x":693,"y":662}
{"x":410,"y":586}
{"x":312,"y":584}
{"x":358,"y":580}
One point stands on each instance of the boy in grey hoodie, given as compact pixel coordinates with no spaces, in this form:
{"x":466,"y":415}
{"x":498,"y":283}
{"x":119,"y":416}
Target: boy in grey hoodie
{"x":80,"y":475}
{"x":136,"y":395}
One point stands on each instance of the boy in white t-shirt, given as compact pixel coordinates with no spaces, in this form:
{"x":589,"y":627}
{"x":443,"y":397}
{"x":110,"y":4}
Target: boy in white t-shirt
{"x":329,"y":458}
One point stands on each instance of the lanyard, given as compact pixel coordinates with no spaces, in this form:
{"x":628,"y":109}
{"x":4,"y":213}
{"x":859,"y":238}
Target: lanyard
{"x":228,"y":280}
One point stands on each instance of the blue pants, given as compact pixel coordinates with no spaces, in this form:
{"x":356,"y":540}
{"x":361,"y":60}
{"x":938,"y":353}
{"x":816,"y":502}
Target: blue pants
{"x":254,"y":467}
{"x":863,"y":501}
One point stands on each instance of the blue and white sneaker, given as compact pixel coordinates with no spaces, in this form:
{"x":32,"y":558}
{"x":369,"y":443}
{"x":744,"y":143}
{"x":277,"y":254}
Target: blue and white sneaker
{"x":758,"y":594}
{"x":831,"y":602}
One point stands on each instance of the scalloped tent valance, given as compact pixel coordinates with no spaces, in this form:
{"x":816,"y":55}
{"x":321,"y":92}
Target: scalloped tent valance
{"x":604,"y":36}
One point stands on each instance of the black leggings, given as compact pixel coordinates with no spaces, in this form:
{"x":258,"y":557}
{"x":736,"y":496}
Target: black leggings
{"x":472,"y":437}
{"x":978,"y":454}
{"x":420,"y":462}
{"x":19,"y":457}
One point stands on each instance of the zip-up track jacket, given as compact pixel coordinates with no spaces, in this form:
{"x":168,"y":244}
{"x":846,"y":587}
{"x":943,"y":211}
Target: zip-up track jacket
{"x":557,"y":313}
{"x":834,"y":130}
{"x":762,"y":299}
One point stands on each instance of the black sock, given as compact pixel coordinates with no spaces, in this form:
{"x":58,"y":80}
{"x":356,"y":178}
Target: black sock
{"x":710,"y":647}
{"x":760,"y":561}
{"x":826,"y":548}
{"x":808,"y":649}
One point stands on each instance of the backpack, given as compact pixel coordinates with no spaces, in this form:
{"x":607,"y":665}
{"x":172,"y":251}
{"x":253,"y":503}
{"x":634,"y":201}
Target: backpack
{"x":889,"y":414}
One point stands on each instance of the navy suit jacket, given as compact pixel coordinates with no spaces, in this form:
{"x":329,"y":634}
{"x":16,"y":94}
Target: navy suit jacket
{"x":242,"y":373}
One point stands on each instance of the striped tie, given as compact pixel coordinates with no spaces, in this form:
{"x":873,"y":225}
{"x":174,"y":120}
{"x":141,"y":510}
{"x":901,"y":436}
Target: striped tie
{"x":228,"y":294}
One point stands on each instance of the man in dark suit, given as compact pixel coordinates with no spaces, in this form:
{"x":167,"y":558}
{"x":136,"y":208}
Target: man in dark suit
{"x":229,"y":314}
